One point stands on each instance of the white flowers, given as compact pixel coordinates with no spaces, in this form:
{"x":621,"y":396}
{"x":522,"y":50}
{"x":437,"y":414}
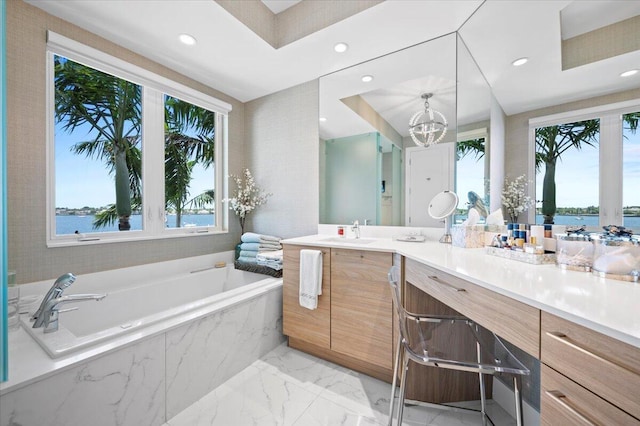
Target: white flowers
{"x":514,"y":199}
{"x":247,"y":196}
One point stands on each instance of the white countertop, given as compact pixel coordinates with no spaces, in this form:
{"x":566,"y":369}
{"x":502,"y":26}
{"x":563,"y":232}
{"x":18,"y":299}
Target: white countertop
{"x":611,"y":307}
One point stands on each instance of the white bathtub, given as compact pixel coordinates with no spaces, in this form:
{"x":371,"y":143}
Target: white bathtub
{"x":146,"y":303}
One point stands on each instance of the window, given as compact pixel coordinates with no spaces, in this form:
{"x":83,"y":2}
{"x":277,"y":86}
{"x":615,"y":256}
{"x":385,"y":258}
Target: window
{"x":132,"y":155}
{"x":567,"y":173}
{"x":631,"y":171}
{"x":471,"y":183}
{"x":593,"y":158}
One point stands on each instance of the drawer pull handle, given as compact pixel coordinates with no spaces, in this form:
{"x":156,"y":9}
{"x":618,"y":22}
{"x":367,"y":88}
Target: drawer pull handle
{"x":558,"y":397}
{"x":563,"y":338}
{"x":438,"y":280}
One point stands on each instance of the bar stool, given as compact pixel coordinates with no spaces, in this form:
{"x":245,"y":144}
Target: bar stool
{"x":415,"y":343}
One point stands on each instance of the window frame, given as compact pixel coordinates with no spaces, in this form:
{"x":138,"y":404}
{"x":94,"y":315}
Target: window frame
{"x":611,"y":179}
{"x":154,"y":87}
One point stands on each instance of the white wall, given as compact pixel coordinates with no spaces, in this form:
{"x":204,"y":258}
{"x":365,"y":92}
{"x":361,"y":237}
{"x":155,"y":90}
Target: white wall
{"x":282,"y":151}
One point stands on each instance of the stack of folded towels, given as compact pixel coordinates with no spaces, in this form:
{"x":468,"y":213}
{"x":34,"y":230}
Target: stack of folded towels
{"x":259,"y":249}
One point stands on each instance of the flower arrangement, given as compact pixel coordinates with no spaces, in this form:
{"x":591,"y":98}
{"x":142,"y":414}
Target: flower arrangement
{"x":514,"y":199}
{"x":247,"y":196}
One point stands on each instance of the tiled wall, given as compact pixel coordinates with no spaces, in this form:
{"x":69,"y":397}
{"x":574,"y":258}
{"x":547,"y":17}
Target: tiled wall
{"x":283,"y":155}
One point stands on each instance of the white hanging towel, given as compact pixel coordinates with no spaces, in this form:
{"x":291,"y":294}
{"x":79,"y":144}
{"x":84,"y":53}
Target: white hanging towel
{"x":310,"y":278}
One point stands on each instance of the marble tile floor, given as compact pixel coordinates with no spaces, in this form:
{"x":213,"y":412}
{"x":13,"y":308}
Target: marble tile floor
{"x":288,"y":387}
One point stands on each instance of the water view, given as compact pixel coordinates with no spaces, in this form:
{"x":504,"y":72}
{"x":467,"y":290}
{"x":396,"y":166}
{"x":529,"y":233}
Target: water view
{"x":69,"y":224}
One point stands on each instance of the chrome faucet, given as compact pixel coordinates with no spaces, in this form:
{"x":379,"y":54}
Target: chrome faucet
{"x":356,"y":228}
{"x":47,"y":313}
{"x":50,"y":312}
{"x":54,"y":292}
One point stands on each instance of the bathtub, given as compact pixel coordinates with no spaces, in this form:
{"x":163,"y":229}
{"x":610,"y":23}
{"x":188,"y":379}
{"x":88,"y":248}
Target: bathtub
{"x":145,"y":303}
{"x":166,"y":335}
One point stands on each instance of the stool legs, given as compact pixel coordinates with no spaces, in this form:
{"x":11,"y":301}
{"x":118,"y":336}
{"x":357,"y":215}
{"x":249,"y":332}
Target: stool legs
{"x":483,"y":398}
{"x":403,"y":384}
{"x":395,"y":380}
{"x":518,"y":398}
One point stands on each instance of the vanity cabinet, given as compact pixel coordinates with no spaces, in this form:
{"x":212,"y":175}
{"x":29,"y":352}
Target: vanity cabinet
{"x":353,"y":324}
{"x":361,"y":306}
{"x":510,"y":319}
{"x":311,"y":326}
{"x":587,"y":377}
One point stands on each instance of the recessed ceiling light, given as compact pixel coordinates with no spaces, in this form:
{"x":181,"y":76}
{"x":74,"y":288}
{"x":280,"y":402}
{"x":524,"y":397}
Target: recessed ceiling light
{"x":187,"y":39}
{"x":323,"y":119}
{"x":341,"y":47}
{"x":520,"y":61}
{"x":367,"y":78}
{"x":629,"y":73}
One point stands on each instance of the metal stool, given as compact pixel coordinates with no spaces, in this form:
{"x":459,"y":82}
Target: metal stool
{"x":414,"y":344}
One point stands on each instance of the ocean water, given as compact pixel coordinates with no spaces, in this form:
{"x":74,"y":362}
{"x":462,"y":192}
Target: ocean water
{"x":82,"y":224}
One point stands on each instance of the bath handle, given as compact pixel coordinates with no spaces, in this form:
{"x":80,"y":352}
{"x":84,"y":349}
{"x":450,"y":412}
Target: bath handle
{"x":74,"y":308}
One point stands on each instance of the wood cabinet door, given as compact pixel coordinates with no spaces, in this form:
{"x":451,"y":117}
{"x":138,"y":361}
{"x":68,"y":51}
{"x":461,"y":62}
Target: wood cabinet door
{"x":361,"y":306}
{"x":312,"y":326}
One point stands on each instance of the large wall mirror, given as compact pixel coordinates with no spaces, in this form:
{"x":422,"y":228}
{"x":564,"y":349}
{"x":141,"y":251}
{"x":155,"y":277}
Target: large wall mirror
{"x":368,"y":162}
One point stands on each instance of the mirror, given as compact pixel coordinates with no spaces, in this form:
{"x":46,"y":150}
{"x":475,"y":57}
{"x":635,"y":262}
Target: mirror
{"x":364,"y":132}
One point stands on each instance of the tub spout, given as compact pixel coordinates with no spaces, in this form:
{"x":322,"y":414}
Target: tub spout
{"x":49,"y":317}
{"x":56,"y":290}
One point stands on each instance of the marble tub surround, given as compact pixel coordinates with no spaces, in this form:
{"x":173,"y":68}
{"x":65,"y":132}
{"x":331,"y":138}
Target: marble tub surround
{"x":605,"y":305}
{"x":121,"y":388}
{"x":291,"y":388}
{"x":168,"y":365}
{"x":203,"y":354}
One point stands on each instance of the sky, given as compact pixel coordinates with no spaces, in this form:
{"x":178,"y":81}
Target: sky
{"x":81,"y":181}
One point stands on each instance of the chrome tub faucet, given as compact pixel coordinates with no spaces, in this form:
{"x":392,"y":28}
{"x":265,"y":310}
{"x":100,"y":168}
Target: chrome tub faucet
{"x":47,"y":314}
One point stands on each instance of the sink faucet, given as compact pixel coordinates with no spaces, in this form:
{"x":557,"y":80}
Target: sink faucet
{"x":49,"y":317}
{"x":356,"y":228}
{"x":47,"y":313}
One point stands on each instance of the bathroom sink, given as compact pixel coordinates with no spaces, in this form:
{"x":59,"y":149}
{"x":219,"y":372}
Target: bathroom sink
{"x":349,"y":240}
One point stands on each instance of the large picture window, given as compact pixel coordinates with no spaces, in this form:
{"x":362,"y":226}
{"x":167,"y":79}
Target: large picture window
{"x":587,"y":167}
{"x":132,"y":155}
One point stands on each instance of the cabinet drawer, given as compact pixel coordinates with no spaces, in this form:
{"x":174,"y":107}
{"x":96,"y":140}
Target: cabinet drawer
{"x":563,"y":402}
{"x":312,"y":326}
{"x":514,"y":321}
{"x":604,"y":365}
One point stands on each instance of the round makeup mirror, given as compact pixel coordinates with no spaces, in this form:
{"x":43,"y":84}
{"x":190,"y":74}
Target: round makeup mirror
{"x":441,"y":207}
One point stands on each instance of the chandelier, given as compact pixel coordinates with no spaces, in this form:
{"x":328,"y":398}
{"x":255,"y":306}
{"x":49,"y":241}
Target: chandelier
{"x":427,"y":127}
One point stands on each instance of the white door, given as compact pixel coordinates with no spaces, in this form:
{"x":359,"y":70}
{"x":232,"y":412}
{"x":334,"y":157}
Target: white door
{"x":429,"y":171}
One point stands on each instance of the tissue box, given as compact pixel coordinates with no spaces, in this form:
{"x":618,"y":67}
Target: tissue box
{"x":468,"y":236}
{"x":475,"y":236}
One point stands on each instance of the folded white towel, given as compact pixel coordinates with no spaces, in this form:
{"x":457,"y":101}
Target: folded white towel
{"x":270,"y":255}
{"x":270,"y":264}
{"x":310,"y":278}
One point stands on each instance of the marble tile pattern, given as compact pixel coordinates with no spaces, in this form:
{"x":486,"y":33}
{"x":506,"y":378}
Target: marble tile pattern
{"x":126,"y":387}
{"x":288,"y":387}
{"x":204,"y":354}
{"x":150,"y":381}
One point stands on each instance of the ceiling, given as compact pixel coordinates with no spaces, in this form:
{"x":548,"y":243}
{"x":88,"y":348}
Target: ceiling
{"x":231,"y":58}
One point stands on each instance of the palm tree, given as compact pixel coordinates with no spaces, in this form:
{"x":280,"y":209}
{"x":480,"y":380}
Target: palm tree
{"x":111,"y":107}
{"x":471,"y":146}
{"x":189,"y":140}
{"x":553,"y":141}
